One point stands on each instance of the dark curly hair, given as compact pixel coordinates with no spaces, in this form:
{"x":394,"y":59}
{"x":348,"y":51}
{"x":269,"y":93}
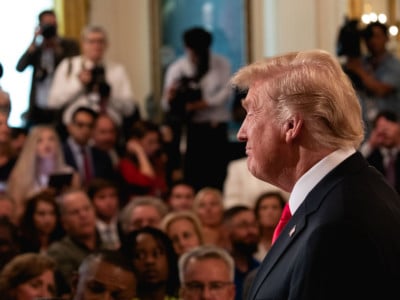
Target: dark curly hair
{"x":129,"y":245}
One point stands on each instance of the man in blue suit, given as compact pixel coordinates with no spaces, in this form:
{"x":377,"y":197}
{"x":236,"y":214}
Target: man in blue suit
{"x":302,"y":128}
{"x":88,"y":160}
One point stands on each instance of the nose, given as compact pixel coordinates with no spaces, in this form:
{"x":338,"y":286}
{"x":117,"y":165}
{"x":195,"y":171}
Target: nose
{"x":241,"y":134}
{"x":44,"y":292}
{"x":206,"y":294}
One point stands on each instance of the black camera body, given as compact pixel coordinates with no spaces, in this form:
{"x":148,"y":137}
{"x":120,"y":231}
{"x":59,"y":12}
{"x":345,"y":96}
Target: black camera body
{"x":188,"y":90}
{"x":99,"y":83}
{"x":349,"y":39}
{"x":48,"y":31}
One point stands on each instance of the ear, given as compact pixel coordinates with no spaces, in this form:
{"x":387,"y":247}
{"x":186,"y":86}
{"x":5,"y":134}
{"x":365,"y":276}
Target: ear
{"x":292,"y":128}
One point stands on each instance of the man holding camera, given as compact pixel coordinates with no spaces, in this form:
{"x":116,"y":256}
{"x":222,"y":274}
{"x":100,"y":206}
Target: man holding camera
{"x":88,"y":80}
{"x":44,"y":54}
{"x":196,"y":95}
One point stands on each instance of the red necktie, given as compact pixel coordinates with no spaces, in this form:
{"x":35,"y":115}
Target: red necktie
{"x":285,"y":217}
{"x":86,"y":165}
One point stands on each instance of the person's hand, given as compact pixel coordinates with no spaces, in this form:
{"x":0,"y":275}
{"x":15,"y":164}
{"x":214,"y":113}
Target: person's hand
{"x":38,"y":32}
{"x":36,"y":39}
{"x":134,"y":147}
{"x":85,"y":76}
{"x":171,"y":92}
{"x":355,"y":65}
{"x":196,"y":105}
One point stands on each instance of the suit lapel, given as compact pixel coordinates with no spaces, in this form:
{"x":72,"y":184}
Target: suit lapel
{"x":297,"y":223}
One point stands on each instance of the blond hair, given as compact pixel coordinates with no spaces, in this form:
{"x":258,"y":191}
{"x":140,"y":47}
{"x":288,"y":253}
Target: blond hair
{"x":312,"y":84}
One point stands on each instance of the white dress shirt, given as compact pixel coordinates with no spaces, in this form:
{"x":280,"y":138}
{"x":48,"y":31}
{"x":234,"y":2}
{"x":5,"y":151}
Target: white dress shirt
{"x":313,"y":176}
{"x":68,"y":90}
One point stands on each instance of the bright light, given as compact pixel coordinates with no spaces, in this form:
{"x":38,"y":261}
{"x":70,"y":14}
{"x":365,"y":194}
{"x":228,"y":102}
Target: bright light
{"x":373,"y":17}
{"x":16,"y":35}
{"x":365,"y":18}
{"x":393,"y":30}
{"x":382,"y":18}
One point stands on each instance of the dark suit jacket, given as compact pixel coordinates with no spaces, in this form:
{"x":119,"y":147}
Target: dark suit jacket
{"x":376,"y":160}
{"x":102,"y":164}
{"x":66,"y":48}
{"x":343,"y":242}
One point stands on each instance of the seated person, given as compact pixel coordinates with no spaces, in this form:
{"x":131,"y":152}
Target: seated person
{"x":204,"y":271}
{"x":28,"y":276}
{"x":97,"y":274}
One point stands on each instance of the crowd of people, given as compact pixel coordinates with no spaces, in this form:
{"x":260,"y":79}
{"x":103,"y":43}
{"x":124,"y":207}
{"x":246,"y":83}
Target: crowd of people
{"x":104,"y":205}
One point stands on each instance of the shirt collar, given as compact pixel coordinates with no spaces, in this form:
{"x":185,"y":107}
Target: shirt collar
{"x":311,"y":178}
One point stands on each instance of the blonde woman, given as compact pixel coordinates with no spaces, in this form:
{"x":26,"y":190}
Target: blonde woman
{"x":184,"y":230}
{"x":208,"y":206}
{"x":41,"y":157}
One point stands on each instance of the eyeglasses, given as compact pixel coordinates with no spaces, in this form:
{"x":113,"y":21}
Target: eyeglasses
{"x":215,"y":287}
{"x":95,"y":41}
{"x":83,"y":124}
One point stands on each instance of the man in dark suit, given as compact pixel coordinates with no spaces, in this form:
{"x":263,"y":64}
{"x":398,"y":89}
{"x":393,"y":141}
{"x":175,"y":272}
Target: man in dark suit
{"x":382,"y":147}
{"x":44,"y":54}
{"x":88,"y":160}
{"x":302,"y":128}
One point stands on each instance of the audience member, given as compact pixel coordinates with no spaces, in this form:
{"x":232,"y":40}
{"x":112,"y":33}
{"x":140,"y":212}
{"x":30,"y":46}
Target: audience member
{"x":382,"y":147}
{"x":180,"y":196}
{"x":9,"y":241}
{"x":40,"y":225}
{"x":142,"y":168}
{"x":5,"y":102}
{"x":302,"y":127}
{"x":105,"y":274}
{"x":7,"y":157}
{"x":88,"y":160}
{"x":243,"y":234}
{"x":379,"y":72}
{"x":207,"y":272}
{"x":209,"y":208}
{"x":40,"y":158}
{"x":106,"y":137}
{"x":45,"y":52}
{"x":7,"y":207}
{"x":155,"y":263}
{"x":268,"y":210}
{"x":184,"y":230}
{"x":28,"y":276}
{"x":242,"y":188}
{"x":104,"y":196}
{"x":142,"y":211}
{"x":18,"y":139}
{"x":90,"y":80}
{"x":79,"y":222}
{"x":196,"y":95}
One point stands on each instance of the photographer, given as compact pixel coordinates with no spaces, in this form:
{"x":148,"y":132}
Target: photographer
{"x":45,"y":52}
{"x":196,"y":95}
{"x":379,"y":72}
{"x":89,"y":80}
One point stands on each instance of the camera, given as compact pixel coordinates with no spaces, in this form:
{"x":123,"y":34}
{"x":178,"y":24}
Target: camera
{"x":349,"y":39}
{"x":188,"y":90}
{"x":99,"y":83}
{"x":48,"y":31}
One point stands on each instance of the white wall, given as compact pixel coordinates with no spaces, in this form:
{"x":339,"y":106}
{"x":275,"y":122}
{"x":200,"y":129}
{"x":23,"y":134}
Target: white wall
{"x":300,"y":25}
{"x":127,"y":23}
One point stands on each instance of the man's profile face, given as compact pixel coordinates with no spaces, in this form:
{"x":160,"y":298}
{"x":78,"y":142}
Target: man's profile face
{"x":103,"y":280}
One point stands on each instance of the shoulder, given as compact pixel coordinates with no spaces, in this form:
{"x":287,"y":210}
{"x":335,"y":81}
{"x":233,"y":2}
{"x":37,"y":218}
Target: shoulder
{"x":219,"y":59}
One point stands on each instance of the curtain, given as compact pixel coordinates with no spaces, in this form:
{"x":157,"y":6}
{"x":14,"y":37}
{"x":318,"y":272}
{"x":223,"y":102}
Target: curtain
{"x":72,"y":16}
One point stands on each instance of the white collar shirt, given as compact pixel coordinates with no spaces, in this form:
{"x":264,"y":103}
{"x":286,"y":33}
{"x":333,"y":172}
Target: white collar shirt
{"x":313,"y":176}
